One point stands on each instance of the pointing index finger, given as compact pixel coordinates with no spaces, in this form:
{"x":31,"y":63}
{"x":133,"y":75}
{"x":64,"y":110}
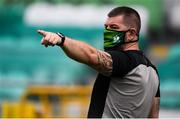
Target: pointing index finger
{"x":42,"y":32}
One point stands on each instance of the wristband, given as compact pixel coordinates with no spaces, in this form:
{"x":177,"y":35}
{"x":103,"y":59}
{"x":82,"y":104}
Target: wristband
{"x":62,"y":39}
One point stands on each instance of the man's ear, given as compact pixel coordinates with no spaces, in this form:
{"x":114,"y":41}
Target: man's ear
{"x":131,"y":35}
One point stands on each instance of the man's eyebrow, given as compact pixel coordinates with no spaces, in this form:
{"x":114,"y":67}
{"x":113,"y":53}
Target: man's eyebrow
{"x":111,"y":24}
{"x":114,"y":25}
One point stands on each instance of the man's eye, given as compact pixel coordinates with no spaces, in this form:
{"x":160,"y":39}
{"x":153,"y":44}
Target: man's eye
{"x":113,"y":27}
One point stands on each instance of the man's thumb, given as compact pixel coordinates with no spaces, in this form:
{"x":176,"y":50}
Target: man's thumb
{"x":42,"y":32}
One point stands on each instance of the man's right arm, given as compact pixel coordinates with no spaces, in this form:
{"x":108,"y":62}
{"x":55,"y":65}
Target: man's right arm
{"x":81,"y":52}
{"x":84,"y":53}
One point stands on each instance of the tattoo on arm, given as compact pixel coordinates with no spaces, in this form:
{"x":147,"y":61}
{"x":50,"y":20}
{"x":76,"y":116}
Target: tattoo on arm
{"x":104,"y":63}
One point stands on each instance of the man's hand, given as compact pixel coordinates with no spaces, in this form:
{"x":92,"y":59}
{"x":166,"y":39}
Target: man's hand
{"x":49,"y":38}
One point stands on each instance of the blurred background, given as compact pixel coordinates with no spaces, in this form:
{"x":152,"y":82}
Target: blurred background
{"x":42,"y":82}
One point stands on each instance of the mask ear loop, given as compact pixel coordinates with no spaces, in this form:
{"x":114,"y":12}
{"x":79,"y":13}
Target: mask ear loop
{"x":134,"y":40}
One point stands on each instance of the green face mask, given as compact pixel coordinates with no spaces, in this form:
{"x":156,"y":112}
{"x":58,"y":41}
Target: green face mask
{"x":113,"y":38}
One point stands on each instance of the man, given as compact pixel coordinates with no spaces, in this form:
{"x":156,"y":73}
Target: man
{"x":127,"y":85}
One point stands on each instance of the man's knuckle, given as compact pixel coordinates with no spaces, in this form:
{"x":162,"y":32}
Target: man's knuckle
{"x":45,"y":39}
{"x":51,"y":40}
{"x":54,"y":42}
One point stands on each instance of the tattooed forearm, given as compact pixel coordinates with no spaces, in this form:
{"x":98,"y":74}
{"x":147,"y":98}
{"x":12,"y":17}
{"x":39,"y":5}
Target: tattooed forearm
{"x":104,"y":63}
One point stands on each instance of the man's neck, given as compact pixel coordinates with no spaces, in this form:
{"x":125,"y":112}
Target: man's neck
{"x":130,"y":46}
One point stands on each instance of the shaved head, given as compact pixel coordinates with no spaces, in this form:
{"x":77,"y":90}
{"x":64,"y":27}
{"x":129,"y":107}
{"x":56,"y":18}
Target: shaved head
{"x":131,"y":17}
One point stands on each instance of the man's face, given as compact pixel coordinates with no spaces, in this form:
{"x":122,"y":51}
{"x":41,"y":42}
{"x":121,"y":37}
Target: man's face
{"x":116,"y":23}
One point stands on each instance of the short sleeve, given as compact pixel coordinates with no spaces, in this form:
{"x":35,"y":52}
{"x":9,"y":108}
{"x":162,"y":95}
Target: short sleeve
{"x":158,"y":92}
{"x":121,"y":63}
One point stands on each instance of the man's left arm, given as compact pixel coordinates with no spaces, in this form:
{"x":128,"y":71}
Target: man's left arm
{"x":154,"y":113}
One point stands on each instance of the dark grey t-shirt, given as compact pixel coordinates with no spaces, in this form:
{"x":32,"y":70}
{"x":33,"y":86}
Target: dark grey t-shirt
{"x":129,"y":91}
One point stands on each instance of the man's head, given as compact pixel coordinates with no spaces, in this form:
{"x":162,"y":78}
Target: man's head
{"x":124,"y":19}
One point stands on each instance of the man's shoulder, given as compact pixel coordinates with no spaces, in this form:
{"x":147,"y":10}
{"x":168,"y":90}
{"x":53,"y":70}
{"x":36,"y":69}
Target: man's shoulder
{"x":133,"y":57}
{"x":126,"y":52}
{"x":116,"y":53}
{"x":129,"y":54}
